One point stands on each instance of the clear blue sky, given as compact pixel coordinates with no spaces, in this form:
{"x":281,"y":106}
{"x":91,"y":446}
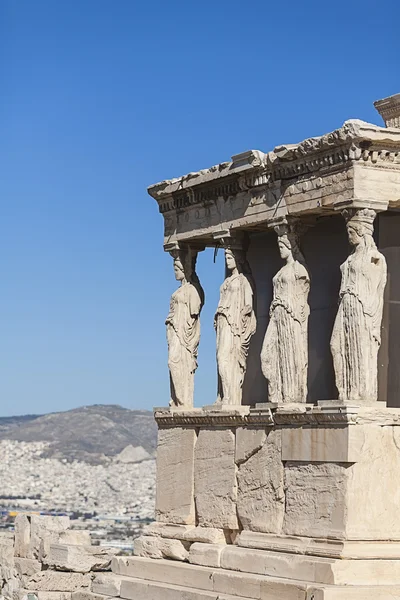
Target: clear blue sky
{"x":100,"y":99}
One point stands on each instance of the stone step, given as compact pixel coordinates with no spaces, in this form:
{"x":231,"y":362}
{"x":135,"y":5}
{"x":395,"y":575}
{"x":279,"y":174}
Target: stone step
{"x":140,"y":589}
{"x":371,"y":592}
{"x":149,"y":579}
{"x":107,"y":584}
{"x":86,"y":595}
{"x":326,"y":571}
{"x":164,"y":571}
{"x":236,"y":585}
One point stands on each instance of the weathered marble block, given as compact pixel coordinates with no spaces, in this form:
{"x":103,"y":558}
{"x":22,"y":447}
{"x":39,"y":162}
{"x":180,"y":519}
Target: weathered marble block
{"x":175,"y":476}
{"x":260,"y":476}
{"x":303,"y":472}
{"x":346,"y":487}
{"x":215,"y":483}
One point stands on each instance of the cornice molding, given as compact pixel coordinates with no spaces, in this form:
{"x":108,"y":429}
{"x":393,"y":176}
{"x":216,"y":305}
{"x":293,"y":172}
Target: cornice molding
{"x":290,"y":416}
{"x":355,"y":141}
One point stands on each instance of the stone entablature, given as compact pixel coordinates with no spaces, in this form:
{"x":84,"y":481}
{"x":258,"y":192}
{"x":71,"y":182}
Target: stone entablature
{"x":357,"y":165}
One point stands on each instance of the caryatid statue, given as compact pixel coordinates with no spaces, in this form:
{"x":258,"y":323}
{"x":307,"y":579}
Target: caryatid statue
{"x":284,"y":355}
{"x":356,"y":333}
{"x":183,"y":328}
{"x":235,"y":324}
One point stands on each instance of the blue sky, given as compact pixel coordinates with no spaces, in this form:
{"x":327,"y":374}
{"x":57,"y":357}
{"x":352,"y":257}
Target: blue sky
{"x":100,"y":99}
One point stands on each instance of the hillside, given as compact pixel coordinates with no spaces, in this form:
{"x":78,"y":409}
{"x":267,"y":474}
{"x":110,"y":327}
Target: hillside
{"x":91,"y":433}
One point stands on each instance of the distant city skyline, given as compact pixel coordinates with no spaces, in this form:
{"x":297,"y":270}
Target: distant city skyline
{"x":101,"y":100}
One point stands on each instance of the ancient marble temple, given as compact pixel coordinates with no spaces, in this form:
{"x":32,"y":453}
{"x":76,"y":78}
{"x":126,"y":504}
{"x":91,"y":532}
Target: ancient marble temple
{"x":284,"y":484}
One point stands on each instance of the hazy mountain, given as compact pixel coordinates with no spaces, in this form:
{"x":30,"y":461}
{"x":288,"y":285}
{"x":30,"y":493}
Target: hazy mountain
{"x":89,"y":433}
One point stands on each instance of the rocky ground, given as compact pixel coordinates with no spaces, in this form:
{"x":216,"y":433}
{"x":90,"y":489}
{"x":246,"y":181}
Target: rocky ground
{"x":31,"y":481}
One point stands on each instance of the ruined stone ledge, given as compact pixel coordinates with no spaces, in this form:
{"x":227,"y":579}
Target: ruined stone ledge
{"x":290,"y":415}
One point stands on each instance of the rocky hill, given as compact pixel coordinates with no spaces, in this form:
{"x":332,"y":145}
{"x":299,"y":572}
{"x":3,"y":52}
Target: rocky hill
{"x":93,"y":434}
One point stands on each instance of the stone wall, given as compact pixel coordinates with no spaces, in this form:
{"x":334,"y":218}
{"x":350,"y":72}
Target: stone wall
{"x":46,"y":560}
{"x":300,"y":471}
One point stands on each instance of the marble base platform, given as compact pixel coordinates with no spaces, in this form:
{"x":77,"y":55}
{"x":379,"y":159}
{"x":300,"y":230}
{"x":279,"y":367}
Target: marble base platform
{"x":149,"y":579}
{"x":295,"y":502}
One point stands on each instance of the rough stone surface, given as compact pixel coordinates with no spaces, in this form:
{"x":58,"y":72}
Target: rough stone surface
{"x":11,"y":588}
{"x":208,"y":535}
{"x":237,"y":584}
{"x":54,"y":581}
{"x":156,"y":547}
{"x":107,"y":584}
{"x":7,"y":561}
{"x":207,"y":555}
{"x":46,"y":595}
{"x":371,"y":514}
{"x":86,"y":595}
{"x":248,"y":441}
{"x":370,"y":592}
{"x":286,"y":590}
{"x":22,"y":527}
{"x":328,"y":548}
{"x":78,"y":559}
{"x":44,"y":531}
{"x":316,"y":495}
{"x":27,"y":566}
{"x":184,"y":581}
{"x":323,"y":444}
{"x":260,"y":496}
{"x":215,"y":479}
{"x":74,"y":537}
{"x":175,"y":477}
{"x":164,"y":571}
{"x":136,"y":589}
{"x":167,"y":530}
{"x":310,"y":568}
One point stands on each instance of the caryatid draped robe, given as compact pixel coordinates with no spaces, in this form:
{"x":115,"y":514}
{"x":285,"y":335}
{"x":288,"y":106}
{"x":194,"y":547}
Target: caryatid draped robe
{"x":183,"y":335}
{"x":235,"y":324}
{"x":284,"y":355}
{"x":356,"y":334}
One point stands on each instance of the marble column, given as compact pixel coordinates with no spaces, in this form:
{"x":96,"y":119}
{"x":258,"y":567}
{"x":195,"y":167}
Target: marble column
{"x":356,"y":333}
{"x":235,"y":322}
{"x":183,"y":327}
{"x":284,"y":355}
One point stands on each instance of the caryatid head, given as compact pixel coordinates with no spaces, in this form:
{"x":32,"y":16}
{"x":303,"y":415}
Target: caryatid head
{"x":360,"y":226}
